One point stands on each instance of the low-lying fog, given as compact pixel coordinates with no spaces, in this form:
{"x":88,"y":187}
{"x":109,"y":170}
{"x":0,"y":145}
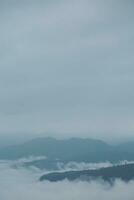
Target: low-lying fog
{"x":21,"y":183}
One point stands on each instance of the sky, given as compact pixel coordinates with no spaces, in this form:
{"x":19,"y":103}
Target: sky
{"x":67,"y":68}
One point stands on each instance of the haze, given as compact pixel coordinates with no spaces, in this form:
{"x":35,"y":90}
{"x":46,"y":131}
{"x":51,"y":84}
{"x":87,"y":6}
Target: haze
{"x":66,"y":68}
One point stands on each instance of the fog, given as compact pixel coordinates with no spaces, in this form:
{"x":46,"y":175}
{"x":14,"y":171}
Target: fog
{"x":66,"y":68}
{"x":23,"y":184}
{"x":85,"y":166}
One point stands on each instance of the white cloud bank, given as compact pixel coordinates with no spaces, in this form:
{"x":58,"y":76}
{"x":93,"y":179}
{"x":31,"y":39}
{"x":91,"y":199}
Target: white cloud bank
{"x":85,"y":166}
{"x":23,"y":184}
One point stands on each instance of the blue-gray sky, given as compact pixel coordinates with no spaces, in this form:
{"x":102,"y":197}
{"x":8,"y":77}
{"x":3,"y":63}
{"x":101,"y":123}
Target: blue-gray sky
{"x":67,"y":67}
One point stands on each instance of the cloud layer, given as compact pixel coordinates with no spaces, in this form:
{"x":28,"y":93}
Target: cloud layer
{"x":24,"y":185}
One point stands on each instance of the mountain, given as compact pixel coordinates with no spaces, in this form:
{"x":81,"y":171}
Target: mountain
{"x":127,"y":146}
{"x":124,"y":172}
{"x":70,"y":149}
{"x":74,"y":149}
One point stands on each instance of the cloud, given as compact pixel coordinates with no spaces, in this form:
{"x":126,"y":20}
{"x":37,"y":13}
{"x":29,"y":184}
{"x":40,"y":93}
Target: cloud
{"x":82,"y":166}
{"x":85,"y":166}
{"x":24,"y":185}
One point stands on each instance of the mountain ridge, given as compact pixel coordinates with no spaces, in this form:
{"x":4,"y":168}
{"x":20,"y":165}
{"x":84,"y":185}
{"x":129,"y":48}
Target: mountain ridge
{"x":67,"y":150}
{"x":124,"y":172}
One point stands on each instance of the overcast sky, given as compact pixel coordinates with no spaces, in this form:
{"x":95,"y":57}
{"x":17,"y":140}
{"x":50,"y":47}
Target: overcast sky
{"x":67,"y":67}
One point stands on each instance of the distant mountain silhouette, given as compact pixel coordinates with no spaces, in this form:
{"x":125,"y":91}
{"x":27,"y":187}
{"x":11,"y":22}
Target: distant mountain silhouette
{"x":126,"y":147}
{"x":55,"y":149}
{"x":74,"y":149}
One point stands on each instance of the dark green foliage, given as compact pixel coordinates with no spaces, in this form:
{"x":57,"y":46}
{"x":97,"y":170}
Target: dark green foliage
{"x":124,"y":172}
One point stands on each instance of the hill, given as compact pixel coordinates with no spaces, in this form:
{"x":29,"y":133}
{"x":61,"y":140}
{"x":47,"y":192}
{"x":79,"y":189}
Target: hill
{"x":124,"y":172}
{"x":74,"y":149}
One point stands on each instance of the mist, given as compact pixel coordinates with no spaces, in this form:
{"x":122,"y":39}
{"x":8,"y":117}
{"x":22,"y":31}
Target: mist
{"x":66,"y":68}
{"x":66,"y":71}
{"x":23,"y":184}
